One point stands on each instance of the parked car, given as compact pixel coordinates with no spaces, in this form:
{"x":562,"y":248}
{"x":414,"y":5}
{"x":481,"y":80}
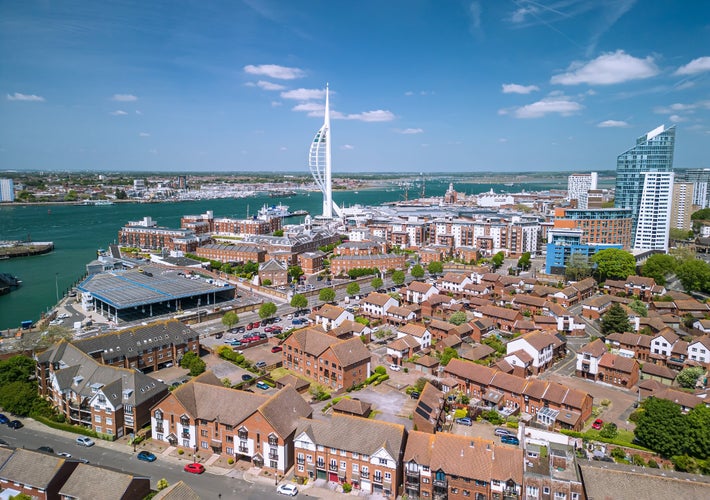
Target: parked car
{"x":277,"y":348}
{"x":260,"y":364}
{"x":85,"y":441}
{"x":241,"y":329}
{"x":3,"y":419}
{"x":269,"y":329}
{"x":262,"y":385}
{"x":464,"y":421}
{"x":509,"y":440}
{"x":414,"y":395}
{"x":46,"y":449}
{"x":194,"y":468}
{"x":15,"y":424}
{"x":146,"y":456}
{"x":246,"y":377}
{"x":276,"y":330}
{"x":287,"y":489}
{"x":64,"y":454}
{"x":257,"y":324}
{"x":263,"y":336}
{"x":502,"y":432}
{"x":395,"y":368}
{"x":250,"y":326}
{"x":598,"y":423}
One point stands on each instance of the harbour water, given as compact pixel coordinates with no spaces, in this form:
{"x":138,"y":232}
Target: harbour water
{"x":78,"y":231}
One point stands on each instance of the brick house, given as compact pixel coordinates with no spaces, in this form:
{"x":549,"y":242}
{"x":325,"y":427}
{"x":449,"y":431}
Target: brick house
{"x":161,"y":342}
{"x":429,"y":414}
{"x":311,"y":262}
{"x":90,"y":481}
{"x":364,"y":452}
{"x":454,"y":283}
{"x":207,"y":417}
{"x":450,"y":466}
{"x":441,"y":329}
{"x":337,"y":364}
{"x":344,"y":263}
{"x":231,"y":253}
{"x":503,"y":318}
{"x":331,"y":317}
{"x":618,"y":370}
{"x":417,"y":292}
{"x":38,"y":475}
{"x":402,"y":348}
{"x":631,"y":344}
{"x":540,"y":346}
{"x":588,"y":358}
{"x":397,"y":315}
{"x":419,"y":331}
{"x":111,"y":401}
{"x":376,"y":304}
{"x":274,"y":271}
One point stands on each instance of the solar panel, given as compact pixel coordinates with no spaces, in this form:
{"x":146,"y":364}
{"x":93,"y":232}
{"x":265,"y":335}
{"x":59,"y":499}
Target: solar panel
{"x":425,"y":406}
{"x":421,"y":412}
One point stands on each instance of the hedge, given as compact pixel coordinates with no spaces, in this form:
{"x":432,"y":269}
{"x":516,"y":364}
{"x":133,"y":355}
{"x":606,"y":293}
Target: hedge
{"x":69,"y":427}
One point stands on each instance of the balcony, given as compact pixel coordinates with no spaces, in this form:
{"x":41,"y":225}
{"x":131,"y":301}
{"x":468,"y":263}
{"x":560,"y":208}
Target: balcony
{"x":440,"y":484}
{"x":333,"y":468}
{"x":185,"y":435}
{"x":320,"y":465}
{"x":364,"y":475}
{"x":300,"y":461}
{"x":377,"y":479}
{"x":243,"y":449}
{"x":273,"y":455}
{"x":412,"y":480}
{"x":159,"y":428}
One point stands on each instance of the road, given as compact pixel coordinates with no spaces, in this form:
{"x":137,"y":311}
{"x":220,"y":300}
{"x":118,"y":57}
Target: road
{"x":121,"y":457}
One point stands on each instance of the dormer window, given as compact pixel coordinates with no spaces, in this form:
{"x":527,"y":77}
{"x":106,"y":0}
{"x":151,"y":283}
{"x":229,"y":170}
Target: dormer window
{"x":273,"y":440}
{"x":158,"y":415}
{"x":184,"y":420}
{"x":242,"y":433}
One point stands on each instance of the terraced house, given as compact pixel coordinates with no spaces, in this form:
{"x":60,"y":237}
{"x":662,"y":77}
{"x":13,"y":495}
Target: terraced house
{"x":363,"y":452}
{"x":112,"y":401}
{"x":337,"y":364}
{"x":205,"y":416}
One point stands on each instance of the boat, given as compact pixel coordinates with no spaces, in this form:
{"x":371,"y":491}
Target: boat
{"x":300,"y":212}
{"x":97,"y":203}
{"x":279,"y":210}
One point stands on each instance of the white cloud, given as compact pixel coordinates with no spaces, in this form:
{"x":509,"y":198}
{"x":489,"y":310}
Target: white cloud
{"x":609,"y":68}
{"x":310,"y":107}
{"x":514,"y":88}
{"x":124,"y":97}
{"x":559,"y":104}
{"x":347,"y":146}
{"x":25,"y":97}
{"x":275,"y":71}
{"x":677,"y":118}
{"x":521,"y":14}
{"x":408,"y":93}
{"x":612,"y":123}
{"x":378,"y":115}
{"x":699,"y":65}
{"x":303,"y":94}
{"x":410,"y":131}
{"x":474,"y":14}
{"x":118,"y":112}
{"x":269,"y":85}
{"x":143,"y":134}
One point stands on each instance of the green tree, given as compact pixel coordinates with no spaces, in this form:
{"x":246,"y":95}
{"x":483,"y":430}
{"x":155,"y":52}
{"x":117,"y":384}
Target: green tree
{"x":613,"y":263}
{"x":266,"y":282}
{"x":688,"y":377}
{"x":267,"y":310}
{"x":448,"y":354}
{"x":615,"y":320}
{"x":679,"y":234}
{"x":230,"y":319}
{"x":295,"y":272}
{"x":458,"y":318}
{"x":699,"y":432}
{"x":578,"y":267}
{"x":417,"y":271}
{"x":662,"y":427}
{"x":18,"y":397}
{"x":71,"y":196}
{"x":609,"y":431}
{"x":299,"y":301}
{"x":162,"y":484}
{"x":192,"y":362}
{"x":326,"y":295}
{"x":376,"y":283}
{"x":435,"y":267}
{"x":703,"y":214}
{"x":658,"y":266}
{"x":497,"y":260}
{"x":16,"y":369}
{"x":398,"y":278}
{"x":694,"y":275}
{"x":279,"y":232}
{"x":120,"y":194}
{"x":352,"y":288}
{"x":524,"y":261}
{"x":21,"y":496}
{"x":639,"y":307}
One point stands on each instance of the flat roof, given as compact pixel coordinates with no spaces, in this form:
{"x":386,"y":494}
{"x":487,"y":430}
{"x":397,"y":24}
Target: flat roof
{"x":131,"y":288}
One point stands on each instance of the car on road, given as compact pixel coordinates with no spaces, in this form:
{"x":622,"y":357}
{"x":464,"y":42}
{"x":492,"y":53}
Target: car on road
{"x":64,"y":454}
{"x":598,"y":423}
{"x":146,"y":456}
{"x":3,"y":419}
{"x":502,"y":432}
{"x":15,"y":424}
{"x":287,"y":489}
{"x":464,"y":421}
{"x":395,"y":368}
{"x":509,"y":440}
{"x":85,"y":441}
{"x":194,"y":468}
{"x":277,"y":348}
{"x":46,"y":449}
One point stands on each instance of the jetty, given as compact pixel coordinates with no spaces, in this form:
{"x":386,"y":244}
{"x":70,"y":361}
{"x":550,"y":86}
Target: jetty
{"x":10,"y":249}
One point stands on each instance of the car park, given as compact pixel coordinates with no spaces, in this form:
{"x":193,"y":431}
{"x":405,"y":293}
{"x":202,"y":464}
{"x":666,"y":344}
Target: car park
{"x":395,"y":368}
{"x":287,"y":489}
{"x":15,"y":424}
{"x":502,"y":432}
{"x":464,"y":421}
{"x":277,"y":348}
{"x":146,"y":456}
{"x":269,"y":329}
{"x":194,"y":468}
{"x":241,"y":329}
{"x":85,"y":441}
{"x":598,"y":423}
{"x":509,"y":440}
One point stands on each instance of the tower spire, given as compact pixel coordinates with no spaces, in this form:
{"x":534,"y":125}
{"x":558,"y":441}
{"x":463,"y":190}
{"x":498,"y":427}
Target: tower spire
{"x":319,"y":161}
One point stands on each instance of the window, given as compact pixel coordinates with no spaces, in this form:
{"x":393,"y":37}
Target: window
{"x":355,"y":455}
{"x":230,"y":451}
{"x":343,"y":465}
{"x":383,"y":461}
{"x":388,"y":476}
{"x":98,"y":429}
{"x":203,"y":433}
{"x":356,"y":468}
{"x":546,"y":490}
{"x":454,"y":490}
{"x":203,"y":444}
{"x":309,"y":459}
{"x":560,"y":496}
{"x":97,"y":418}
{"x":425,"y":480}
{"x":575,"y":496}
{"x":109,"y":421}
{"x":273,"y":464}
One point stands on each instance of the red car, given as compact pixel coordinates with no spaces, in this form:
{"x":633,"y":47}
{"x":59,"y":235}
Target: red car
{"x":194,"y":468}
{"x":277,"y":348}
{"x":276,"y":329}
{"x":250,"y":326}
{"x":257,"y":324}
{"x":597,"y":425}
{"x":269,"y":329}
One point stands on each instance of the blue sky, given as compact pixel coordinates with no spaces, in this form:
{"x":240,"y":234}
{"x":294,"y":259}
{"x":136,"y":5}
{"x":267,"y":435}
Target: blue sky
{"x":441,"y":85}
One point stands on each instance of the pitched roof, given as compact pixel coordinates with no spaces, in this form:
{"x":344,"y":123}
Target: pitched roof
{"x":620,"y":363}
{"x":655,"y":370}
{"x":499,"y":312}
{"x":470,"y":371}
{"x":284,"y":409}
{"x":403,"y":343}
{"x":350,"y":351}
{"x":89,"y":481}
{"x":596,"y":348}
{"x":177,"y":491}
{"x":419,"y":286}
{"x":292,"y":380}
{"x":330,"y":311}
{"x":413,"y":329}
{"x":352,"y":406}
{"x":457,"y":278}
{"x":442,"y":325}
{"x":31,"y":468}
{"x":378,"y":299}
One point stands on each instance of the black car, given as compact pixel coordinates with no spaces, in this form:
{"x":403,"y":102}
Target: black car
{"x":246,"y":377}
{"x":46,"y":449}
{"x":15,"y":424}
{"x":241,"y":329}
{"x":414,"y":395}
